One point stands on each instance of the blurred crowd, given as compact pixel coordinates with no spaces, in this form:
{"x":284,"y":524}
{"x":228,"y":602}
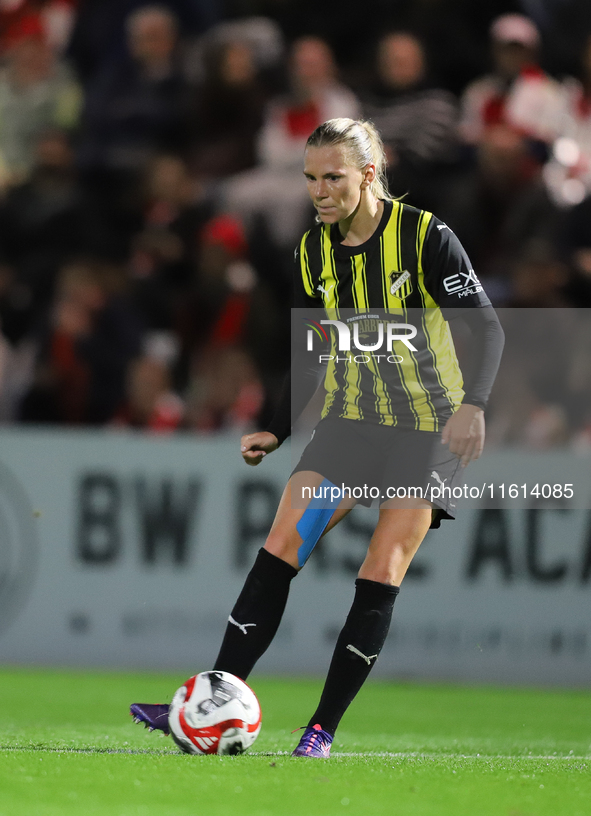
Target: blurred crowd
{"x":151,"y":189}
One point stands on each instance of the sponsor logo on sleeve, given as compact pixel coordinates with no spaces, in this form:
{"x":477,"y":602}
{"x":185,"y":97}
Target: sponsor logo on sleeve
{"x":462,"y":284}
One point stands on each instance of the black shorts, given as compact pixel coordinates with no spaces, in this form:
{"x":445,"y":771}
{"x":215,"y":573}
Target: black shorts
{"x":379,"y":462}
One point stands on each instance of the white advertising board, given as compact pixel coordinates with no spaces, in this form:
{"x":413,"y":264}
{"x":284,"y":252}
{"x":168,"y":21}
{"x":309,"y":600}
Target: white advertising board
{"x":121,"y":550}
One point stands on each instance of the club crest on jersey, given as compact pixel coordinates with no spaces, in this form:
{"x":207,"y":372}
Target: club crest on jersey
{"x":400,"y":284}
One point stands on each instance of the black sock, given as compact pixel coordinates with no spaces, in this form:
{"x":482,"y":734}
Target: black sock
{"x":256,"y":615}
{"x":357,"y":648}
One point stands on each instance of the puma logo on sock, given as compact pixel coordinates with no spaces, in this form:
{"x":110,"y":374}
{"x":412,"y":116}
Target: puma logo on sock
{"x":360,"y":654}
{"x":241,"y":626}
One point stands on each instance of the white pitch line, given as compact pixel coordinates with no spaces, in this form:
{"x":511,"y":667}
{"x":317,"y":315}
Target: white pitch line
{"x":433,"y":755}
{"x":334,"y":755}
{"x":450,"y":755}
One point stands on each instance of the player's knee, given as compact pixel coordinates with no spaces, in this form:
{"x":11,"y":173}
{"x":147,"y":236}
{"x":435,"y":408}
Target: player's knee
{"x":388,"y":567}
{"x":405,"y":549}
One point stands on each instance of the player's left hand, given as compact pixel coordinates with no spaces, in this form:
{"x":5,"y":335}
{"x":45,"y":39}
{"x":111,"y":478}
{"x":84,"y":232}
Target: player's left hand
{"x":464,"y":432}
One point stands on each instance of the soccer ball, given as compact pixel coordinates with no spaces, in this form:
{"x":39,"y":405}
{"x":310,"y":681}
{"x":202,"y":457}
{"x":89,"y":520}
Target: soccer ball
{"x":214,"y":713}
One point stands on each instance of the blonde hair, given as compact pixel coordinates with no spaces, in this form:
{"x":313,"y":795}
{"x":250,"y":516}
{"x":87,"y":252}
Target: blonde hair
{"x":363,"y":144}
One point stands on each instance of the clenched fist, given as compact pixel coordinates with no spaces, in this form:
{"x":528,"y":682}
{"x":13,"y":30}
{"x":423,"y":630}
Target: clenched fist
{"x":256,"y":445}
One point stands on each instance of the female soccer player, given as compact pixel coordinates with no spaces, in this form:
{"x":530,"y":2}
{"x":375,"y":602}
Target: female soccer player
{"x":385,"y":260}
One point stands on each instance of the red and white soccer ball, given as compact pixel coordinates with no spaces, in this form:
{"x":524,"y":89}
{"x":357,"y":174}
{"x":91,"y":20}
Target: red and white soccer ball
{"x":214,"y":713}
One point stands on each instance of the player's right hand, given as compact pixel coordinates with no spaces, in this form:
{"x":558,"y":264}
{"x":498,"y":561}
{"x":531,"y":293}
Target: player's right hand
{"x":255,"y":446}
{"x":464,"y":433}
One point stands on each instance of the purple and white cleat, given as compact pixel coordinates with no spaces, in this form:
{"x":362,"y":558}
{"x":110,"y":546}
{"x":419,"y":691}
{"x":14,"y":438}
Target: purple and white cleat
{"x":154,"y":717}
{"x":314,"y":743}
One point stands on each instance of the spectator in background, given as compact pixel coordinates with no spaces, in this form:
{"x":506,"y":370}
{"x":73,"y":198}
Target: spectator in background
{"x":418,"y":123}
{"x":575,"y":242}
{"x":315,"y":95}
{"x":150,"y":402}
{"x":541,"y":278}
{"x":533,"y":404}
{"x":271,"y":197}
{"x":518,"y":93}
{"x":567,"y":26}
{"x":568,"y":177}
{"x":263,"y":37}
{"x":225,"y":391}
{"x":100,"y":37}
{"x":44,"y":223}
{"x":227,"y":112}
{"x":224,"y":285}
{"x":136,"y":106}
{"x":55,"y":17}
{"x":165,"y":244}
{"x":58,"y":17}
{"x":224,"y":388}
{"x":92,"y":335}
{"x":37,"y":92}
{"x":17,"y":358}
{"x":568,"y":173}
{"x":237,"y":307}
{"x":498,"y":206}
{"x":454,"y":33}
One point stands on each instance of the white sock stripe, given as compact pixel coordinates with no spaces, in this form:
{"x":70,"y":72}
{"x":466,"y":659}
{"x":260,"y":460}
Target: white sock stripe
{"x":360,"y":654}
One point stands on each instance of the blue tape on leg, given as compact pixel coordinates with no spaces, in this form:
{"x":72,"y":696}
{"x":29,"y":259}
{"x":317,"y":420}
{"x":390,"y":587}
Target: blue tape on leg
{"x":316,"y":516}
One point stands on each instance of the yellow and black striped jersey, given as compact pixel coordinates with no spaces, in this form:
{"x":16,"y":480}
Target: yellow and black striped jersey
{"x":412,"y":270}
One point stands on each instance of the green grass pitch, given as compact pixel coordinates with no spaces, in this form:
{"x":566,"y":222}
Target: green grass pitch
{"x":68,"y":746}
